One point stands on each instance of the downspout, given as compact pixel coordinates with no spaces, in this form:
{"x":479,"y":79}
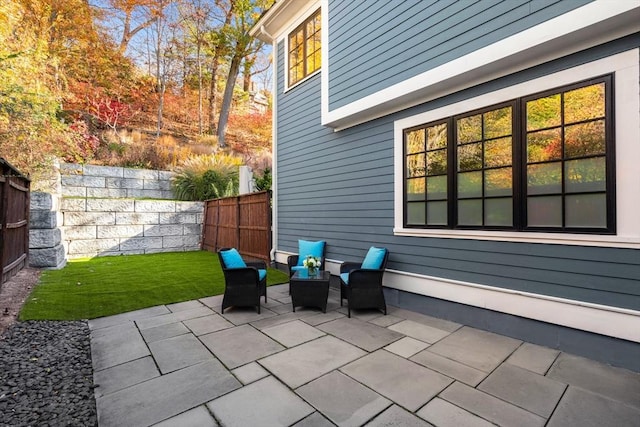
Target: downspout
{"x":274,"y":179}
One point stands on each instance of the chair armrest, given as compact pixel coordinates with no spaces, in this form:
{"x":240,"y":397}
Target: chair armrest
{"x":244,"y":275}
{"x":346,"y":267}
{"x":257,"y":264}
{"x":365,"y":277}
{"x":292,"y":260}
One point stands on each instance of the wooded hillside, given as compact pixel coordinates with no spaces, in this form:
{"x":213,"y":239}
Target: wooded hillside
{"x":147,"y":83}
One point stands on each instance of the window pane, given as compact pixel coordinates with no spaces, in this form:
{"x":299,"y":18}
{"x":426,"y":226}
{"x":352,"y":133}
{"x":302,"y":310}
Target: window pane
{"x":585,"y":175}
{"x":584,"y":140}
{"x":415,"y":213}
{"x":497,"y":123}
{"x":437,"y":136}
{"x":498,"y":182}
{"x":415,"y":189}
{"x":544,"y":145}
{"x":544,"y":179}
{"x":469,"y":129}
{"x":498,"y":212}
{"x":415,"y":165}
{"x":437,"y":213}
{"x":544,"y":211}
{"x":470,"y":212}
{"x":437,"y":162}
{"x":415,"y":141}
{"x":543,"y":112}
{"x":470,"y":157}
{"x":470,"y":184}
{"x":437,"y":187}
{"x":584,"y":104}
{"x":497,"y":152}
{"x":586,"y":210}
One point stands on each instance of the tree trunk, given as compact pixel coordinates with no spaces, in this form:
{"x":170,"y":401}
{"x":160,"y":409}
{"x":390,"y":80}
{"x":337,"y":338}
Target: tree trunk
{"x":234,"y":70}
{"x":213,"y":95}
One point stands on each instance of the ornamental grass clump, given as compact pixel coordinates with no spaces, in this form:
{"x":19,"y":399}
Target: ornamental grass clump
{"x":207,"y":177}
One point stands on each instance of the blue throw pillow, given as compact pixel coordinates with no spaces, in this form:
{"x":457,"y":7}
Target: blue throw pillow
{"x":306,"y":248}
{"x":374,"y":258}
{"x":232,"y":258}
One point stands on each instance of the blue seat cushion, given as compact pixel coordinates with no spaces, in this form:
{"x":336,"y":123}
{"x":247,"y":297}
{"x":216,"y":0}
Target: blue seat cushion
{"x":306,"y":248}
{"x":262,"y":273}
{"x":232,"y":258}
{"x":345,"y":278}
{"x":298,"y":268}
{"x":373,"y":259}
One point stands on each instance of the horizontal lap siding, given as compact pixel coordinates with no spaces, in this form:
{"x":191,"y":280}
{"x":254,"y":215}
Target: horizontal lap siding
{"x":338,"y":187}
{"x":375,"y":45}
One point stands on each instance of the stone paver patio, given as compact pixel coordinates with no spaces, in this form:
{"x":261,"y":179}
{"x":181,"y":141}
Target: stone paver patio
{"x":187,"y":364}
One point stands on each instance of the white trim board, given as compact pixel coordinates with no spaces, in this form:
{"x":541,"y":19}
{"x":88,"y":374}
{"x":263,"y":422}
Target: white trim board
{"x":596,"y":318}
{"x":626,"y":69}
{"x":595,"y":23}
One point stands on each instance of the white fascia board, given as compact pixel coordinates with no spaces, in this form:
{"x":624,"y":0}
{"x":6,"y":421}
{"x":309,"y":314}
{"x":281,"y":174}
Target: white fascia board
{"x":590,"y":25}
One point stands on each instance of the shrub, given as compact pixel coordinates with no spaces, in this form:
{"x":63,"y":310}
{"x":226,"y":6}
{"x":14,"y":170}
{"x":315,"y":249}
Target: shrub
{"x":207,"y":177}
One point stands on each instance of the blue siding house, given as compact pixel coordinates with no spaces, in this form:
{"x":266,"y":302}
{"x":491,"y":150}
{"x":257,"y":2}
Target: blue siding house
{"x":492,"y":146}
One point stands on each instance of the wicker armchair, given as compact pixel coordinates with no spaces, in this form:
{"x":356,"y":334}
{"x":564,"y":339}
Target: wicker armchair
{"x":294,"y":262}
{"x":243,"y":284}
{"x":362,"y":287}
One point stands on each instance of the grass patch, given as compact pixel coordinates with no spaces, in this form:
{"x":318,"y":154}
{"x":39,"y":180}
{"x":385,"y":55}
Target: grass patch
{"x":86,"y":289}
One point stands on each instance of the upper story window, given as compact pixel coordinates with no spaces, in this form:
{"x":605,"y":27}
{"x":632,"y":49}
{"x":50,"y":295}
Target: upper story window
{"x":538,"y":163}
{"x":305,"y":49}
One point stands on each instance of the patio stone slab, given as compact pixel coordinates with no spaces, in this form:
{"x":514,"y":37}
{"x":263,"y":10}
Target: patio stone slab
{"x":122,"y":376}
{"x":525,"y":389}
{"x":196,"y":417}
{"x":179,"y":316}
{"x":166,"y":396}
{"x":293,"y":333}
{"x":419,"y":331}
{"x":406,"y":347}
{"x":344,"y":401}
{"x":103,"y":322}
{"x":314,"y":420}
{"x":616,"y":383}
{"x":164,"y":331}
{"x":281,"y":308}
{"x":582,"y":408}
{"x":129,"y":325}
{"x":490,"y":408}
{"x":320,"y":318}
{"x":299,"y":365}
{"x":214,"y":302}
{"x":263,"y":403}
{"x":178,"y":352}
{"x":443,"y":414}
{"x":288,"y":316}
{"x":385,"y":321}
{"x":450,"y":368}
{"x":406,"y":383}
{"x":250,"y":372}
{"x":434,"y":322}
{"x":364,"y":315}
{"x":395,"y":416}
{"x":240,"y":345}
{"x":365,"y":335}
{"x":186,"y":305}
{"x":207,"y":324}
{"x":243,"y":315}
{"x":116,"y":348}
{"x":489,"y":349}
{"x":534,"y":358}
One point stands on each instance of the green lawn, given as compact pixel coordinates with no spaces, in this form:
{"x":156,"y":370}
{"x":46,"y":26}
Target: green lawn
{"x":86,"y":289}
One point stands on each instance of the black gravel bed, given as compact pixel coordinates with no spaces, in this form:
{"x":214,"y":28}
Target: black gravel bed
{"x":46,"y":377}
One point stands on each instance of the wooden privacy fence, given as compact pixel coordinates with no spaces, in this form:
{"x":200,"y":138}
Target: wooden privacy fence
{"x":14,"y":220}
{"x":242,"y":222}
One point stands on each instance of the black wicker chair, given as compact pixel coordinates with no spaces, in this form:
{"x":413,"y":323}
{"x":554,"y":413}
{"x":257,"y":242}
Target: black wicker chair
{"x":243,"y":286}
{"x":363,"y":287}
{"x":292,"y":260}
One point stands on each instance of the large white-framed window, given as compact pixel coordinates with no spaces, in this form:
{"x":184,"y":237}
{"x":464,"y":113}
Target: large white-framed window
{"x":623,"y":230}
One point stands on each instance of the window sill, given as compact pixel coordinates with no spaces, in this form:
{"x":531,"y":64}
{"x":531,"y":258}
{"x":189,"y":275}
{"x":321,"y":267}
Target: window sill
{"x":632,"y":242}
{"x":298,"y":83}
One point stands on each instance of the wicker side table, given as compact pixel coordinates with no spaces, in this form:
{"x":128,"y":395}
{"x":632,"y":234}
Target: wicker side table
{"x":310,"y":291}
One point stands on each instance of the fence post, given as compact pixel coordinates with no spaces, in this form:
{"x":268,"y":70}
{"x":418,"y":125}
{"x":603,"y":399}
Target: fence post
{"x":3,"y":223}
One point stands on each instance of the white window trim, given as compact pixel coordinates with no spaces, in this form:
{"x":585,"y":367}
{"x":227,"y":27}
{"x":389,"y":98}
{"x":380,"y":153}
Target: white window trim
{"x":626,"y":69}
{"x":309,"y":10}
{"x":590,"y":25}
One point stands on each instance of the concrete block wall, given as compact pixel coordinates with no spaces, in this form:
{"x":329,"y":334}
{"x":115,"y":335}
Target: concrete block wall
{"x":114,"y":182}
{"x":100,"y":227}
{"x":46,"y":249}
